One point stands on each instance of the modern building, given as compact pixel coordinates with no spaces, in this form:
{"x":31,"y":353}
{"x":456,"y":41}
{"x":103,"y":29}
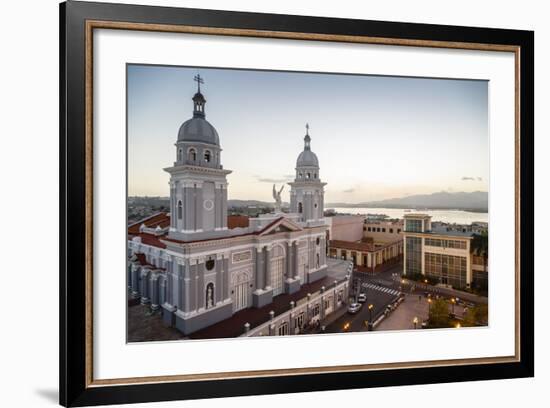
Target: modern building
{"x":438,"y":251}
{"x":198,"y":269}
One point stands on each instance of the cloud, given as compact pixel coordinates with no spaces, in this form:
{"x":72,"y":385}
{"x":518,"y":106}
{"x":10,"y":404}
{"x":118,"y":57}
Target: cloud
{"x":273,"y":180}
{"x":466,"y":178}
{"x":349,"y":190}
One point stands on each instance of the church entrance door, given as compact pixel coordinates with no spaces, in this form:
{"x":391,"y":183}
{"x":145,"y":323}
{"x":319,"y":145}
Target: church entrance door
{"x":277,"y":270}
{"x":240,"y":297}
{"x":277,"y":273}
{"x":240,"y":290}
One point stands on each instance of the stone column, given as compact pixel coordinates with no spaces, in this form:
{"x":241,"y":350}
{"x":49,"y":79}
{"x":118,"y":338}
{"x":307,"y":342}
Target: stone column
{"x":288,"y":271}
{"x":259,"y":275}
{"x":267,"y":267}
{"x":135,"y":281}
{"x":217,"y":206}
{"x":144,"y":287}
{"x":224,"y":206}
{"x":188,"y":207}
{"x":155,"y":291}
{"x":296,"y":259}
{"x":225,"y":276}
{"x":185,"y":292}
{"x":173,"y":205}
{"x":323,"y":251}
{"x":201,"y":284}
{"x":198,"y":206}
{"x":219,"y":284}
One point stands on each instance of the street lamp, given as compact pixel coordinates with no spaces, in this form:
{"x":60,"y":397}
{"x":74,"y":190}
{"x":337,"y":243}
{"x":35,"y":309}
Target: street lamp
{"x":453,"y":301}
{"x":415,"y":321}
{"x":429,"y":305}
{"x":458,"y":326}
{"x":371,"y":306}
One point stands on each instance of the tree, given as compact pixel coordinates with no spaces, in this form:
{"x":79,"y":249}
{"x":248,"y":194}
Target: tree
{"x":439,"y":314}
{"x":480,"y":247}
{"x":476,"y":316}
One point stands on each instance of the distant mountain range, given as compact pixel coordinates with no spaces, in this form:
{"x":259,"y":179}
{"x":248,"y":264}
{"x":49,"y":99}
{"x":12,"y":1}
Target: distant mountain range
{"x":477,"y":201}
{"x":474,"y":201}
{"x":252,"y":203}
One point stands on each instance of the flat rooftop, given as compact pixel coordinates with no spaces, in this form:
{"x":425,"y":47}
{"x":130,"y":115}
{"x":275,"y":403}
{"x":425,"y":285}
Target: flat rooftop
{"x":441,"y":230}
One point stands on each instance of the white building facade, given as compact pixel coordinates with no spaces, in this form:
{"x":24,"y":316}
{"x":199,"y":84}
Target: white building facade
{"x":198,"y":272}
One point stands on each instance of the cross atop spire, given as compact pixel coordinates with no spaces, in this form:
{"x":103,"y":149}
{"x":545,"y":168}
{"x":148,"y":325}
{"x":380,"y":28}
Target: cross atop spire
{"x":199,"y":80}
{"x":198,"y":99}
{"x":307,"y":139}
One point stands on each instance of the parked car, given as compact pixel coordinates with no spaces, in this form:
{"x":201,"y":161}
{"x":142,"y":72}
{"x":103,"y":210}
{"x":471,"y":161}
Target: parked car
{"x":362,"y":298}
{"x":354,"y":308}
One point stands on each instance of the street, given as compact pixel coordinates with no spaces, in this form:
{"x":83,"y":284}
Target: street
{"x":381,"y":290}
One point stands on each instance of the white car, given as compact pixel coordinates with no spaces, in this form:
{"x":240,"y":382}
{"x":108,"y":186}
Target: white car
{"x":362,"y":298}
{"x":354,"y":308}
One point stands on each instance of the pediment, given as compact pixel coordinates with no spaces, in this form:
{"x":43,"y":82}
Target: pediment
{"x":281,"y":225}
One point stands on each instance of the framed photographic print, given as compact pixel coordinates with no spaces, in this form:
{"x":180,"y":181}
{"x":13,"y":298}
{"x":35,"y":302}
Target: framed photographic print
{"x":255,"y":203}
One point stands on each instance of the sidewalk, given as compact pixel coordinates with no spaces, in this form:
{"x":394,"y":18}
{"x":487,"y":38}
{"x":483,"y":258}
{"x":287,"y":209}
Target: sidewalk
{"x":470,"y":297}
{"x":402,"y":317}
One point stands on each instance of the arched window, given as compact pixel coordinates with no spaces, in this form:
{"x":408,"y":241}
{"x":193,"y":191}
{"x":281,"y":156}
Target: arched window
{"x":308,"y":175}
{"x":192,"y":155}
{"x":180,"y":210}
{"x":180,"y":154}
{"x":315,"y":175}
{"x":209,"y":295}
{"x":300,"y":209}
{"x":207,"y":156}
{"x":318,"y":261}
{"x":300,"y":175}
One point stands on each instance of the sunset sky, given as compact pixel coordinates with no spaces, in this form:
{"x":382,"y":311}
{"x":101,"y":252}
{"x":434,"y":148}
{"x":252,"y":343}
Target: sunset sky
{"x":375,"y":137}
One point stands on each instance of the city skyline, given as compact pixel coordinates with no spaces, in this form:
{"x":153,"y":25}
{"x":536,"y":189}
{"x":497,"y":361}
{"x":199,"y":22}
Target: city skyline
{"x":261,"y":116}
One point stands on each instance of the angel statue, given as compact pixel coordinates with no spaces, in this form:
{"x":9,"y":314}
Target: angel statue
{"x":277,"y":197}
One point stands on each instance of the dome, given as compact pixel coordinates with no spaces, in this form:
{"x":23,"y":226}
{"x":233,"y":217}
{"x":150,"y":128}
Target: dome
{"x":307,"y":158}
{"x":198,"y":129}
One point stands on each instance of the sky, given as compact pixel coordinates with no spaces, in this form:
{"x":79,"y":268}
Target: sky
{"x":376,"y":137}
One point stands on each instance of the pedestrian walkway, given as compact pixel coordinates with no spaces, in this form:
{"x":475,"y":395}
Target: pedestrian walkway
{"x":413,"y":309}
{"x":382,"y":289}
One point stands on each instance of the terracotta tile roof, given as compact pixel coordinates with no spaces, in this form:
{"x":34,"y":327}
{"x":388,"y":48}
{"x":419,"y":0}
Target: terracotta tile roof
{"x":237,"y":221}
{"x":355,"y":246}
{"x":226,"y":237}
{"x":143,"y":261}
{"x":359,"y":246}
{"x":149,"y":239}
{"x":161,"y":220}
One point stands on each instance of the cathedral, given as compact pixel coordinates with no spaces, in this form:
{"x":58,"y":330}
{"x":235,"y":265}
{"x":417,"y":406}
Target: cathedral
{"x":198,"y":271}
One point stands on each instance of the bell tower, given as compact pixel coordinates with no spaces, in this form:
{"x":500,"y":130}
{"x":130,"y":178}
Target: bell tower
{"x":307,"y":190}
{"x":198,"y":183}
